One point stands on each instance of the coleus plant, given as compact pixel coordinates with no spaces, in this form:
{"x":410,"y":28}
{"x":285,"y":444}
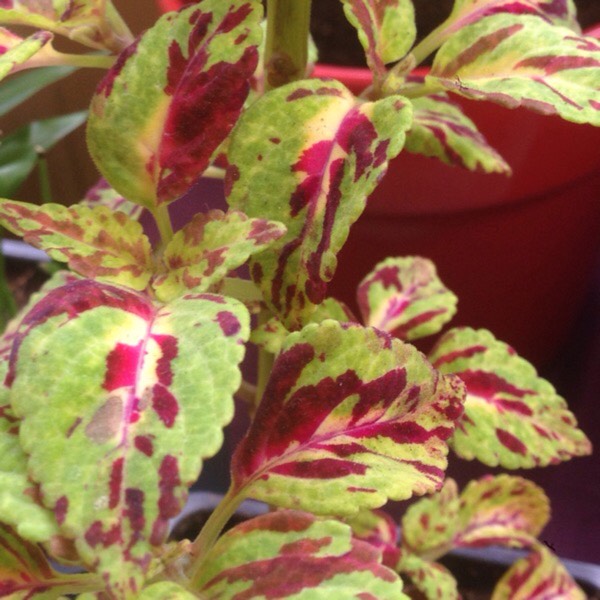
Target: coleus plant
{"x":118,"y":378}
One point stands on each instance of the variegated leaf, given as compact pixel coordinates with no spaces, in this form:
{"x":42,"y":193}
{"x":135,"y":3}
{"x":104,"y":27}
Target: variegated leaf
{"x":91,"y":22}
{"x":208,"y":247}
{"x":386,"y":30}
{"x":523,"y":61}
{"x":102,"y":194}
{"x":501,"y":510}
{"x":512,"y":417}
{"x":172,"y":98}
{"x":290,"y":554}
{"x":557,"y":12}
{"x":440,"y":129}
{"x":350,"y":417}
{"x":379,"y":529}
{"x":15,"y":50}
{"x":431,"y":579}
{"x":95,"y":242}
{"x":126,"y":415}
{"x":538,"y":575}
{"x":25,"y":572}
{"x":337,"y":149}
{"x":166,"y":590}
{"x":405,"y":297}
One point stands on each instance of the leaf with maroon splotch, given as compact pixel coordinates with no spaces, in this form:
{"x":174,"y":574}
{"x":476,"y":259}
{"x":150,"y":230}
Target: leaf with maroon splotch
{"x":386,"y":30}
{"x":15,"y":50}
{"x":94,"y":23}
{"x":337,"y":149}
{"x":208,"y":247}
{"x":440,"y":129}
{"x":379,"y":529}
{"x":26,"y":573}
{"x":350,"y":417}
{"x":126,"y":415}
{"x":430,"y":525}
{"x":102,"y":194}
{"x":172,"y":98}
{"x":501,"y":510}
{"x":431,"y":579}
{"x":512,"y":417}
{"x":522,"y":61}
{"x":291,"y":554}
{"x":95,"y":242}
{"x":405,"y":297}
{"x":538,"y":575}
{"x":556,"y":12}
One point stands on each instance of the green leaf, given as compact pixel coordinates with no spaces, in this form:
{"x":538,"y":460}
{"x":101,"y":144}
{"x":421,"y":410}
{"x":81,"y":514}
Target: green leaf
{"x":431,"y":579}
{"x":25,"y":572}
{"x":166,"y":590}
{"x":172,"y":98}
{"x":520,"y":60}
{"x":19,"y":150}
{"x":440,"y":129}
{"x":208,"y":247}
{"x":290,"y":554}
{"x":386,"y":30}
{"x":8,"y":307}
{"x":405,"y":297}
{"x":350,"y":417}
{"x":538,"y":571}
{"x":337,"y":148}
{"x":126,"y":415}
{"x":102,"y":194}
{"x":95,"y":242}
{"x":512,"y":417}
{"x":15,"y":50}
{"x":21,"y":87}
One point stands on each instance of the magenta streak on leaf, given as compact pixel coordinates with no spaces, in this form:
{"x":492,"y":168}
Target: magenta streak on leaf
{"x":205,"y":103}
{"x":228,"y":323}
{"x":169,"y":352}
{"x":355,"y":488}
{"x":144,"y":444}
{"x":508,"y":440}
{"x":121,"y":366}
{"x":164,"y":404}
{"x":322,"y":468}
{"x":488,"y":385}
{"x":60,"y":509}
{"x":555,"y":64}
{"x":72,"y":300}
{"x":403,"y":330}
{"x":95,"y":535}
{"x":168,"y":504}
{"x":459,"y":354}
{"x":115,"y":481}
{"x":306,"y":546}
{"x":564,"y":98}
{"x":481,"y":46}
{"x":76,"y":423}
{"x":106,"y":85}
{"x":134,"y":511}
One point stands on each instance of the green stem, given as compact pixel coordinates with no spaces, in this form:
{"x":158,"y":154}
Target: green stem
{"x":211,"y":531}
{"x":44,"y":176}
{"x":163,"y":222}
{"x":432,"y":42}
{"x":265,"y":362}
{"x":121,"y":35}
{"x":8,"y":306}
{"x":286,"y":50}
{"x":54,"y":59}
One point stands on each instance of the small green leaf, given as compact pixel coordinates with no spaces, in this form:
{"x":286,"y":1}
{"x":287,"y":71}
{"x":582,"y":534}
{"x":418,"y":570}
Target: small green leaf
{"x":208,"y":247}
{"x":520,"y":60}
{"x":405,"y":297}
{"x":386,"y":30}
{"x":290,"y":554}
{"x":540,"y":570}
{"x":15,"y":50}
{"x":440,"y":129}
{"x":350,"y":417}
{"x":431,"y":579}
{"x":19,"y":150}
{"x":512,"y":417}
{"x":95,"y":242}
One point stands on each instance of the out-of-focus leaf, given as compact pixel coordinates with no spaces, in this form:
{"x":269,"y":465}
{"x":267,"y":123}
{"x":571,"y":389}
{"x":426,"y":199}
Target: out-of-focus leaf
{"x":95,"y":242}
{"x":15,"y":50}
{"x":19,"y":150}
{"x":172,"y":98}
{"x":290,"y":554}
{"x":440,"y":129}
{"x":405,"y":297}
{"x":126,"y":414}
{"x":512,"y":417}
{"x":431,"y":579}
{"x":337,"y":149}
{"x":522,"y":61}
{"x":102,"y":194}
{"x":8,"y":308}
{"x":350,"y":417}
{"x":166,"y":590}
